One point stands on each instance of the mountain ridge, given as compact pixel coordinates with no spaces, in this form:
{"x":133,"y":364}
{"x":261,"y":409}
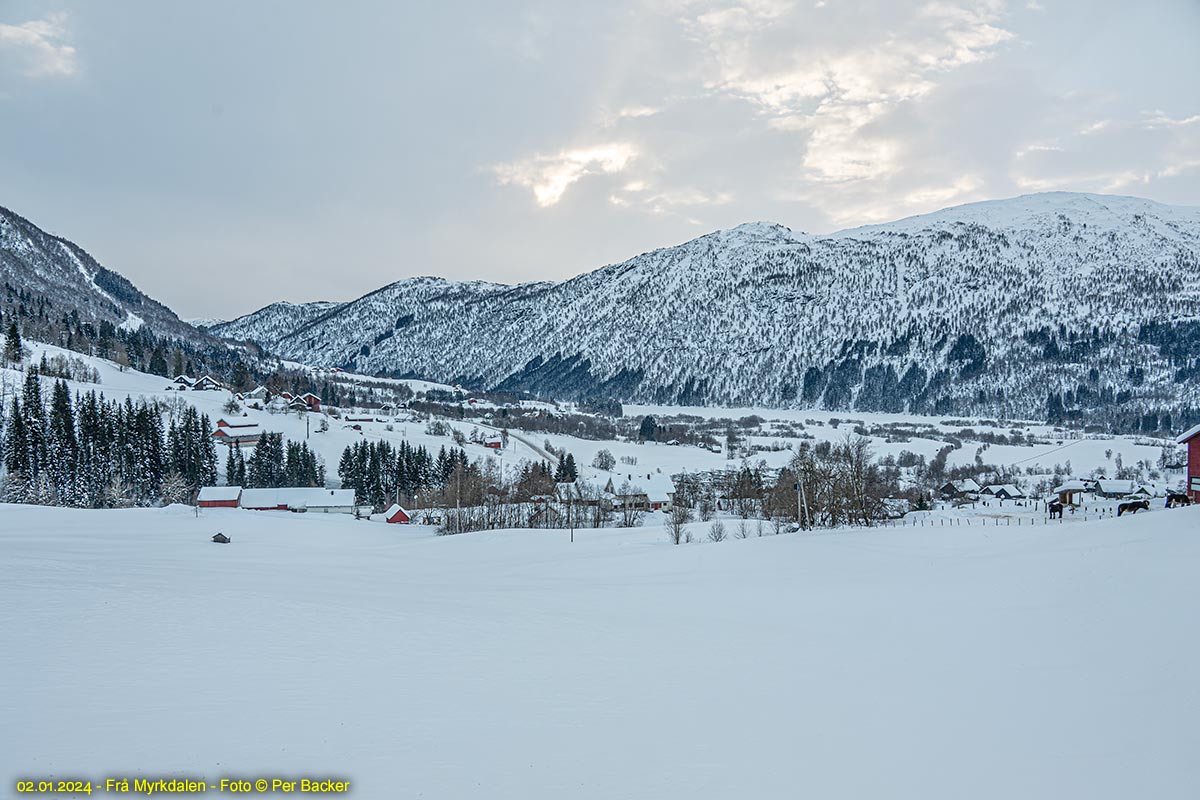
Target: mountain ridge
{"x":58,"y":271}
{"x":931,"y":313}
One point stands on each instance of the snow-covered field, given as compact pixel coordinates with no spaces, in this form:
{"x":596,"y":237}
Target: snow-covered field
{"x":980,"y":662}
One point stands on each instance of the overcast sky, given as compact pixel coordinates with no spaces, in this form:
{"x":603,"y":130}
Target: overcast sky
{"x":226,"y":155}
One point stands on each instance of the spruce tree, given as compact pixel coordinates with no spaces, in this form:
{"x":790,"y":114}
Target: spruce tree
{"x":62,"y":446}
{"x":13,"y":347}
{"x":35,"y":425}
{"x":16,"y":442}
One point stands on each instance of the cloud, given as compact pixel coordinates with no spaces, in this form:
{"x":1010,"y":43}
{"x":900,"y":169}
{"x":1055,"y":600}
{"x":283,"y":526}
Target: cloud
{"x":38,"y":48}
{"x":847,"y":113}
{"x":834,"y":91}
{"x":816,"y":85}
{"x":637,"y":111}
{"x":548,"y":177}
{"x":639,"y":194}
{"x":1112,"y":155}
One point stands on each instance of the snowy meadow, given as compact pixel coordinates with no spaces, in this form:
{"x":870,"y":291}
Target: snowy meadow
{"x":923,"y":663}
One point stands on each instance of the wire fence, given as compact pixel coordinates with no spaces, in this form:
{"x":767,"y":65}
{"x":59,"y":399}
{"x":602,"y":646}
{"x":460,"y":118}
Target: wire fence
{"x":998,"y":522}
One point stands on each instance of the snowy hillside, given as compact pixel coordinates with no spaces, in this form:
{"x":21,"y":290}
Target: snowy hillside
{"x":927,"y":663}
{"x":1042,"y":447}
{"x":1047,"y":305}
{"x":273,"y":322}
{"x":117,"y":382}
{"x":37,"y":267}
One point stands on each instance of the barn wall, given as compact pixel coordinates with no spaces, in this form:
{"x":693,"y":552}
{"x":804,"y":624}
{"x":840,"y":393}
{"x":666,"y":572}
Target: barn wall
{"x":1193,"y":466}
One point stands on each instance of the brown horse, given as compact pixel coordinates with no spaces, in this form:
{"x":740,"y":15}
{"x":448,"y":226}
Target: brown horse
{"x":1133,"y":506}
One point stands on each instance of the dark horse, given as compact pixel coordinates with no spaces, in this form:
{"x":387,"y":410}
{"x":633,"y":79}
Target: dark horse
{"x":1133,"y":506}
{"x":1178,"y":499}
{"x":1056,"y":510}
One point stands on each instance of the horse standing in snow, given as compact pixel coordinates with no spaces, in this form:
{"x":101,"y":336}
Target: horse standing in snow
{"x":1056,"y":510}
{"x":1133,"y":507}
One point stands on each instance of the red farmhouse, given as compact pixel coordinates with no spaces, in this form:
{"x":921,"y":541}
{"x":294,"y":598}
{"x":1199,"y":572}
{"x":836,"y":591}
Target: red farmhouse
{"x":1192,"y":439}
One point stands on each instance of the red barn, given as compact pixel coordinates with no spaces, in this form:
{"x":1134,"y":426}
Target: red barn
{"x":397,"y":515}
{"x":242,"y":435}
{"x":1192,"y":439}
{"x":219,"y":497}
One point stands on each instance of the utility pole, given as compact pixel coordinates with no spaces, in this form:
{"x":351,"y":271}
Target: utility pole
{"x":801,"y":498}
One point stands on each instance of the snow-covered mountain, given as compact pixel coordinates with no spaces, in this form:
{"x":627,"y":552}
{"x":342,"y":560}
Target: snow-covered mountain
{"x":1046,"y":302}
{"x":59,"y":278}
{"x":272,"y":322}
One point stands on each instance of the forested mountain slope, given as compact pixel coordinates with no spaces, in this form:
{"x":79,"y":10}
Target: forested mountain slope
{"x":1047,"y":304}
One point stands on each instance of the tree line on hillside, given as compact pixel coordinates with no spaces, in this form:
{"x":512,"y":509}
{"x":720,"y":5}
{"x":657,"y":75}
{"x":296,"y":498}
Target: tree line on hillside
{"x":87,"y":451}
{"x":90,"y":452}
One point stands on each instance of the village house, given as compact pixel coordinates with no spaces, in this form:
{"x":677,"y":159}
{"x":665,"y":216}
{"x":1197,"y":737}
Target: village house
{"x":259,"y":393}
{"x":963,"y":488}
{"x":654,"y":493}
{"x":1112,"y":490}
{"x":1003,"y":491}
{"x":219,"y":496}
{"x":207,"y":384}
{"x":1191,"y":438}
{"x":312,"y":401}
{"x":243,"y":434}
{"x":181,"y":382}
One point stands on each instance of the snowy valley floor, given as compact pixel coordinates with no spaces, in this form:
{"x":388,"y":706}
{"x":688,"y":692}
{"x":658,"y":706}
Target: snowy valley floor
{"x":965,"y":662}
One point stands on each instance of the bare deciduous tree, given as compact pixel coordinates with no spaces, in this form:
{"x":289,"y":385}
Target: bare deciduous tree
{"x":677,"y":521}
